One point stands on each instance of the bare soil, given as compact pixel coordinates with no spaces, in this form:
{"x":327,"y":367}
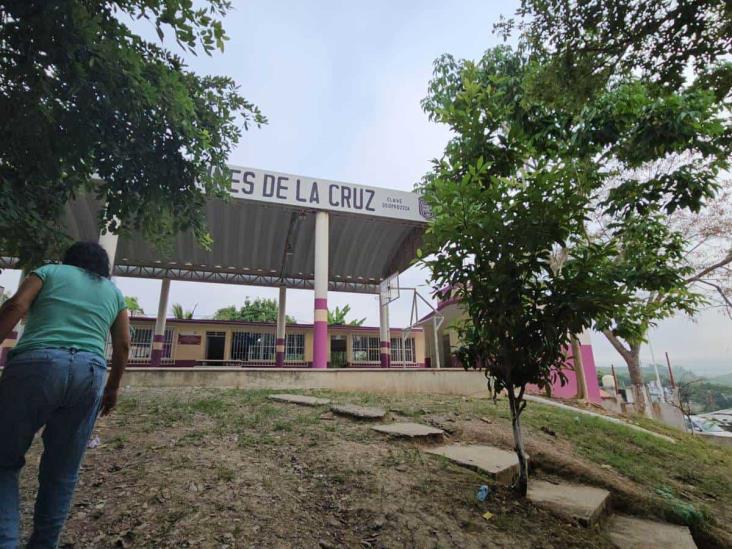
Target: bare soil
{"x":205,"y":468}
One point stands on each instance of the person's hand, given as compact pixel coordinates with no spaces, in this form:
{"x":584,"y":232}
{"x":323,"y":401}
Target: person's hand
{"x":109,"y":400}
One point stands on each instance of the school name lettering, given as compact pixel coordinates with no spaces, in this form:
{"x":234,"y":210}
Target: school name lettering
{"x":322,"y":194}
{"x":304,"y":191}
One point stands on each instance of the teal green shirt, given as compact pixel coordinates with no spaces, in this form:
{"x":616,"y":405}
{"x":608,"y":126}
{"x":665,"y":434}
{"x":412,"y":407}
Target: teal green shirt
{"x":74,"y":309}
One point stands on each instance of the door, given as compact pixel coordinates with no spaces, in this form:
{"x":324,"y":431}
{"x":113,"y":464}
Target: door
{"x":338,"y":354}
{"x":215,"y":343}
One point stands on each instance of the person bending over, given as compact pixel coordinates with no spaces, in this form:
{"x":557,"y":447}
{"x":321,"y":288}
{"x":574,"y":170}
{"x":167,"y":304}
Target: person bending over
{"x":56,"y":377}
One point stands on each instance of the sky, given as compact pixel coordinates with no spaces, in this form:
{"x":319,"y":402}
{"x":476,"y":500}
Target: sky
{"x":341,"y":84}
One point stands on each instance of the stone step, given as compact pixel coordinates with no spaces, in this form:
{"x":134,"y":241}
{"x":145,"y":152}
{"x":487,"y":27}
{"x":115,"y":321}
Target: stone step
{"x":634,"y":533}
{"x":300,"y":399}
{"x":358,"y":412}
{"x":500,"y":465}
{"x":409,"y":430}
{"x":573,"y":502}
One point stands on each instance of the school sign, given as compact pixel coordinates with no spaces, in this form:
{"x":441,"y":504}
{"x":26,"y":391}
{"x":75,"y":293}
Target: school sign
{"x":322,"y":194}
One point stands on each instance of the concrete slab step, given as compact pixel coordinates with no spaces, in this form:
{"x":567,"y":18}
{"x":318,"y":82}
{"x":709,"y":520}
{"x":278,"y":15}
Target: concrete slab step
{"x":409,"y":430}
{"x":573,"y":502}
{"x":634,"y":533}
{"x":500,"y":465}
{"x":300,"y":399}
{"x":358,"y":412}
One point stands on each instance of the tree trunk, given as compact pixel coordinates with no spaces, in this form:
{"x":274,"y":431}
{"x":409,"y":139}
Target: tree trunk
{"x":642,"y":405}
{"x":632,"y":359}
{"x":579,"y":370}
{"x":514,"y":404}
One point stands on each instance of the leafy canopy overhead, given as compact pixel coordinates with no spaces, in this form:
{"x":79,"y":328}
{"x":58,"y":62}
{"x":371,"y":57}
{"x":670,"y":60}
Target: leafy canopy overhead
{"x":259,"y":310}
{"x":590,"y":42}
{"x":82,"y":95}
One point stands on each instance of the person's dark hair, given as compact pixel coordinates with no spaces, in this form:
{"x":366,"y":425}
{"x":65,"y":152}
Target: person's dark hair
{"x":89,"y":256}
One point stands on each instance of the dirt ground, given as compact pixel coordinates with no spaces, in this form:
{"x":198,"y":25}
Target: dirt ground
{"x":204,"y":468}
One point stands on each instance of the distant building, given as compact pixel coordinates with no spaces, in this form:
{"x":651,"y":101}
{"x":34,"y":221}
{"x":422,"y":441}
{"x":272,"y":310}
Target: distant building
{"x":200,"y":343}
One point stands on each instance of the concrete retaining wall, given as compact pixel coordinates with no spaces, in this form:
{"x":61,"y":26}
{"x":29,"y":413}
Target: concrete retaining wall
{"x":447,"y":382}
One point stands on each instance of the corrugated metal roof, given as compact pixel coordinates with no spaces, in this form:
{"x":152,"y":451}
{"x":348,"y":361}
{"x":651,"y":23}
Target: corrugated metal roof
{"x":251,"y":247}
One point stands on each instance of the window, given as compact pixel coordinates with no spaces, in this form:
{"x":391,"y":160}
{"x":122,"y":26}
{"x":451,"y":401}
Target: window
{"x":295,"y":349}
{"x":396,"y":349}
{"x":141,"y":343}
{"x":252,"y":346}
{"x":365,"y":349}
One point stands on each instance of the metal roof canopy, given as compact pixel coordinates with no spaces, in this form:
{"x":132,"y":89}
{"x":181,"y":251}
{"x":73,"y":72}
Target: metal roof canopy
{"x":264,"y":235}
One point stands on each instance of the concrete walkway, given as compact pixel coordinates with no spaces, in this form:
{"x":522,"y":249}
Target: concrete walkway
{"x":556,"y":404}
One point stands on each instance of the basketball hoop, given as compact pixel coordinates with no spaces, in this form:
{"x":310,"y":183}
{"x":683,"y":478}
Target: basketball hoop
{"x":389,"y":288}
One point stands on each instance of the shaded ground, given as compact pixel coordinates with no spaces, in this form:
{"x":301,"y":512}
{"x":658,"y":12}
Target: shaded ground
{"x":206,"y":468}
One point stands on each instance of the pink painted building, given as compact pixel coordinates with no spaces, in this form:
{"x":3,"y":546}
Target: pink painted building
{"x":446,"y":340}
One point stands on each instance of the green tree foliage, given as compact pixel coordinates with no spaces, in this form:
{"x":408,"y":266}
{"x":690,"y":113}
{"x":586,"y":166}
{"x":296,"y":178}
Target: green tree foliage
{"x":337,"y":317}
{"x":259,"y":310}
{"x":180,"y":313}
{"x":88,"y":106}
{"x":133,"y":306}
{"x":504,"y":208}
{"x":590,"y":42}
{"x":515,"y":193}
{"x":663,"y":154}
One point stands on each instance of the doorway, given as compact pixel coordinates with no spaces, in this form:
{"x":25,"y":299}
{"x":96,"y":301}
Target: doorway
{"x":338,"y":352}
{"x":215,"y":343}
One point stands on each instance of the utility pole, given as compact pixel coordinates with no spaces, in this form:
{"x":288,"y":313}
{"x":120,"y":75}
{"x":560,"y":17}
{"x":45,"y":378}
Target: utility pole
{"x":670,"y":372}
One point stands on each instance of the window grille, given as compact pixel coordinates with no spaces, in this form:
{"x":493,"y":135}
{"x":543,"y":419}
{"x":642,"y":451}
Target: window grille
{"x":365,"y":349}
{"x":252,"y":346}
{"x":295,"y":349}
{"x":396,"y":349}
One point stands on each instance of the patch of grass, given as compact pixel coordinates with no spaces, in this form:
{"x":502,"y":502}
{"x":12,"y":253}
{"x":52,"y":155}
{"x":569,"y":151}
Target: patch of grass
{"x":225,"y":474}
{"x":118,"y":442}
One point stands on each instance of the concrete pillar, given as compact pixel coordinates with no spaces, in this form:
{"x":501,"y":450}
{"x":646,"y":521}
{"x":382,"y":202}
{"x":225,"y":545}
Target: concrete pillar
{"x":281,"y":341}
{"x":159,"y":334}
{"x":384,"y":333}
{"x":320,"y":332}
{"x":108,"y":241}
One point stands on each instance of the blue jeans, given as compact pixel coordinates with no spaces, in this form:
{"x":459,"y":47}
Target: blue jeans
{"x":60,"y":389}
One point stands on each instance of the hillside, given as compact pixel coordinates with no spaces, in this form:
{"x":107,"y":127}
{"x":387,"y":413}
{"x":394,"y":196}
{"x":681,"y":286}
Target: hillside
{"x":193,"y":468}
{"x":705,"y":394}
{"x":725,"y":379}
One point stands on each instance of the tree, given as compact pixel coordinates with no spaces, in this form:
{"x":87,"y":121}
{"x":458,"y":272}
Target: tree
{"x":337,"y":317}
{"x":591,"y":42}
{"x":259,"y":310}
{"x":180,"y":313}
{"x":506,"y":201}
{"x":694,"y":247}
{"x":88,"y":106}
{"x":668,"y":62}
{"x":133,"y":307}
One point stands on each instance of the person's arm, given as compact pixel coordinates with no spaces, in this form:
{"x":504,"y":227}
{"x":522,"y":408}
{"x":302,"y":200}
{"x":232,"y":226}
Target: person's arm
{"x":120,"y":351}
{"x":15,"y":308}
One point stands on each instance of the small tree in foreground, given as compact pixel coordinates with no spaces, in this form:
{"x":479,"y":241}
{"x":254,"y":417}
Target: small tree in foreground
{"x":504,"y":211}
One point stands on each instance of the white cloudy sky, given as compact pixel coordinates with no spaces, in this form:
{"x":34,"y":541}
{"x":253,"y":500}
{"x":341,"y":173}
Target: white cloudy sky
{"x":341,"y":84}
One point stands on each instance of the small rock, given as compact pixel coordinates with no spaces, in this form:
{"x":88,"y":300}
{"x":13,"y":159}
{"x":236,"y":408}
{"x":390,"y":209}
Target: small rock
{"x":326,"y":544}
{"x":549,"y":431}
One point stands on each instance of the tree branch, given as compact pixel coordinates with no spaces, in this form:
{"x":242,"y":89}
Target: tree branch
{"x":619,"y":347}
{"x":703,"y":272}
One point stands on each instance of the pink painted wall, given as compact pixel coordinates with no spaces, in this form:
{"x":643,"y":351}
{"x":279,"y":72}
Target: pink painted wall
{"x":569,"y":390}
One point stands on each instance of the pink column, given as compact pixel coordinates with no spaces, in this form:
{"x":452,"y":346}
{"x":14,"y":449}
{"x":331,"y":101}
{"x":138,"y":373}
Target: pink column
{"x":156,"y":354}
{"x":320,"y":332}
{"x":281,"y":341}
